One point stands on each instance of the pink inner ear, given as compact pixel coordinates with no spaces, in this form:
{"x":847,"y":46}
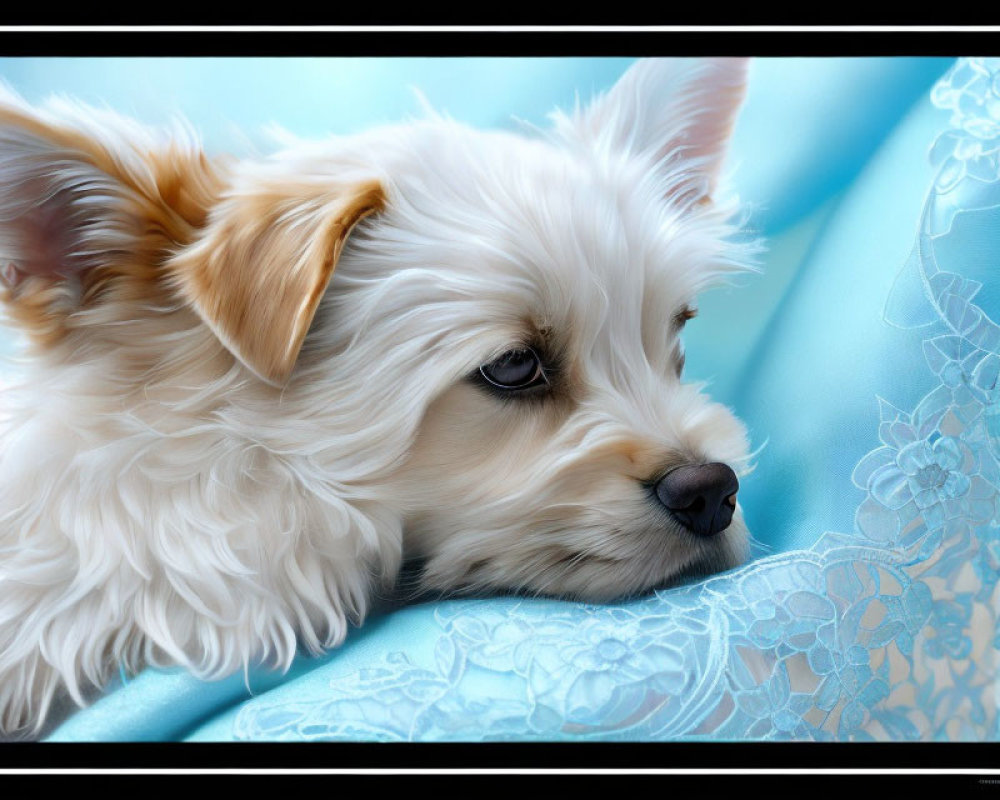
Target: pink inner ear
{"x":10,"y":275}
{"x":45,"y":239}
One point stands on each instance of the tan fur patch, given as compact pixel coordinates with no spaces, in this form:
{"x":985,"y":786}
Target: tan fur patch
{"x":262,"y":265}
{"x":254,"y":260}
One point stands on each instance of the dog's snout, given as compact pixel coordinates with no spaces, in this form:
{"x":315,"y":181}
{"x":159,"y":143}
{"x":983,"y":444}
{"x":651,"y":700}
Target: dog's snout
{"x":702,"y":497}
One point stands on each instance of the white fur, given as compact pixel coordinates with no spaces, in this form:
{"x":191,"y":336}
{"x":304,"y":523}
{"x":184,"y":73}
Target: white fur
{"x":191,"y":514}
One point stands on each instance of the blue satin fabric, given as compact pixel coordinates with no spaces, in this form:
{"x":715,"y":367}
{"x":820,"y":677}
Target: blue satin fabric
{"x":885,"y":630}
{"x":808,"y":385}
{"x":828,"y":115}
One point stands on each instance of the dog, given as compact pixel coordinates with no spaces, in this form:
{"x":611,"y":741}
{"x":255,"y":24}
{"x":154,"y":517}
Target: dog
{"x":249,"y":389}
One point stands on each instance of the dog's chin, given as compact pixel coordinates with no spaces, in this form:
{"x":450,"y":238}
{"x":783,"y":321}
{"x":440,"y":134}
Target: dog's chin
{"x":727,"y":550}
{"x":592,"y":576}
{"x":687,"y":558}
{"x":637,"y":578}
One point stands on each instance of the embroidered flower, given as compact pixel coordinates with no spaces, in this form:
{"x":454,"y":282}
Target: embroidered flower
{"x":927,"y":473}
{"x":947,"y":629}
{"x":971,"y":91}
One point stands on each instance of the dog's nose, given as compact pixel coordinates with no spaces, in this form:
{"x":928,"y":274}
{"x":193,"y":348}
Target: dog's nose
{"x":702,"y":497}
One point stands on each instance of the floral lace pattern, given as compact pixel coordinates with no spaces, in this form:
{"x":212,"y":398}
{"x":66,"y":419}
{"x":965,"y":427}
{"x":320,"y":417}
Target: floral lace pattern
{"x":889,"y":633}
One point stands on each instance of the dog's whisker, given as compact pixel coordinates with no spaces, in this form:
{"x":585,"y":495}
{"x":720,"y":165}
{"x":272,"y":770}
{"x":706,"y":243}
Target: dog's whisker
{"x":746,"y":463}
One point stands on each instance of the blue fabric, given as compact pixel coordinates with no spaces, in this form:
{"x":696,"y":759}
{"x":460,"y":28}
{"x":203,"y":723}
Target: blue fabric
{"x":808,"y":383}
{"x":831,"y":113}
{"x":866,"y":357}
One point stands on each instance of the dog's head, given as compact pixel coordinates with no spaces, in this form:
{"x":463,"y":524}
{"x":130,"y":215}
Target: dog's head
{"x":473,"y":337}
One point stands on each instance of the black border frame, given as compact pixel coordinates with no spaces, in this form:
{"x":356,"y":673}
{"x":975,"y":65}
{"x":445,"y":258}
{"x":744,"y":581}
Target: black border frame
{"x":685,"y":755}
{"x":489,"y":42}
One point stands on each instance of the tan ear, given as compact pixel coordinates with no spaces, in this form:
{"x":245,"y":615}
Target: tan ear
{"x":258,"y":271}
{"x":90,"y":205}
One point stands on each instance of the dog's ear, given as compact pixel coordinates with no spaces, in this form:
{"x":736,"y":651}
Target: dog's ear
{"x":81,"y":188}
{"x":672,"y":111}
{"x":96,"y":209}
{"x":90,"y":204}
{"x":257,"y":272}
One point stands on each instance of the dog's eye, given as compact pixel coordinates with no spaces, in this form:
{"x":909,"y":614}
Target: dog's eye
{"x":515,"y":369}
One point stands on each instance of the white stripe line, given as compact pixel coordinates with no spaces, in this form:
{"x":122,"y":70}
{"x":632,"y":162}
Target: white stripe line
{"x":494,"y":771}
{"x":499,"y":28}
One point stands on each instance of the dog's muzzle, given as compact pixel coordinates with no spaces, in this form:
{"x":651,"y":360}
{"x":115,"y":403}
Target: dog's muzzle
{"x":701,"y":497}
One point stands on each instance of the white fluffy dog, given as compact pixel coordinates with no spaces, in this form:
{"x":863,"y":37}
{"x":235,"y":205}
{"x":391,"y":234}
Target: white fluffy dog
{"x":249,"y":389}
